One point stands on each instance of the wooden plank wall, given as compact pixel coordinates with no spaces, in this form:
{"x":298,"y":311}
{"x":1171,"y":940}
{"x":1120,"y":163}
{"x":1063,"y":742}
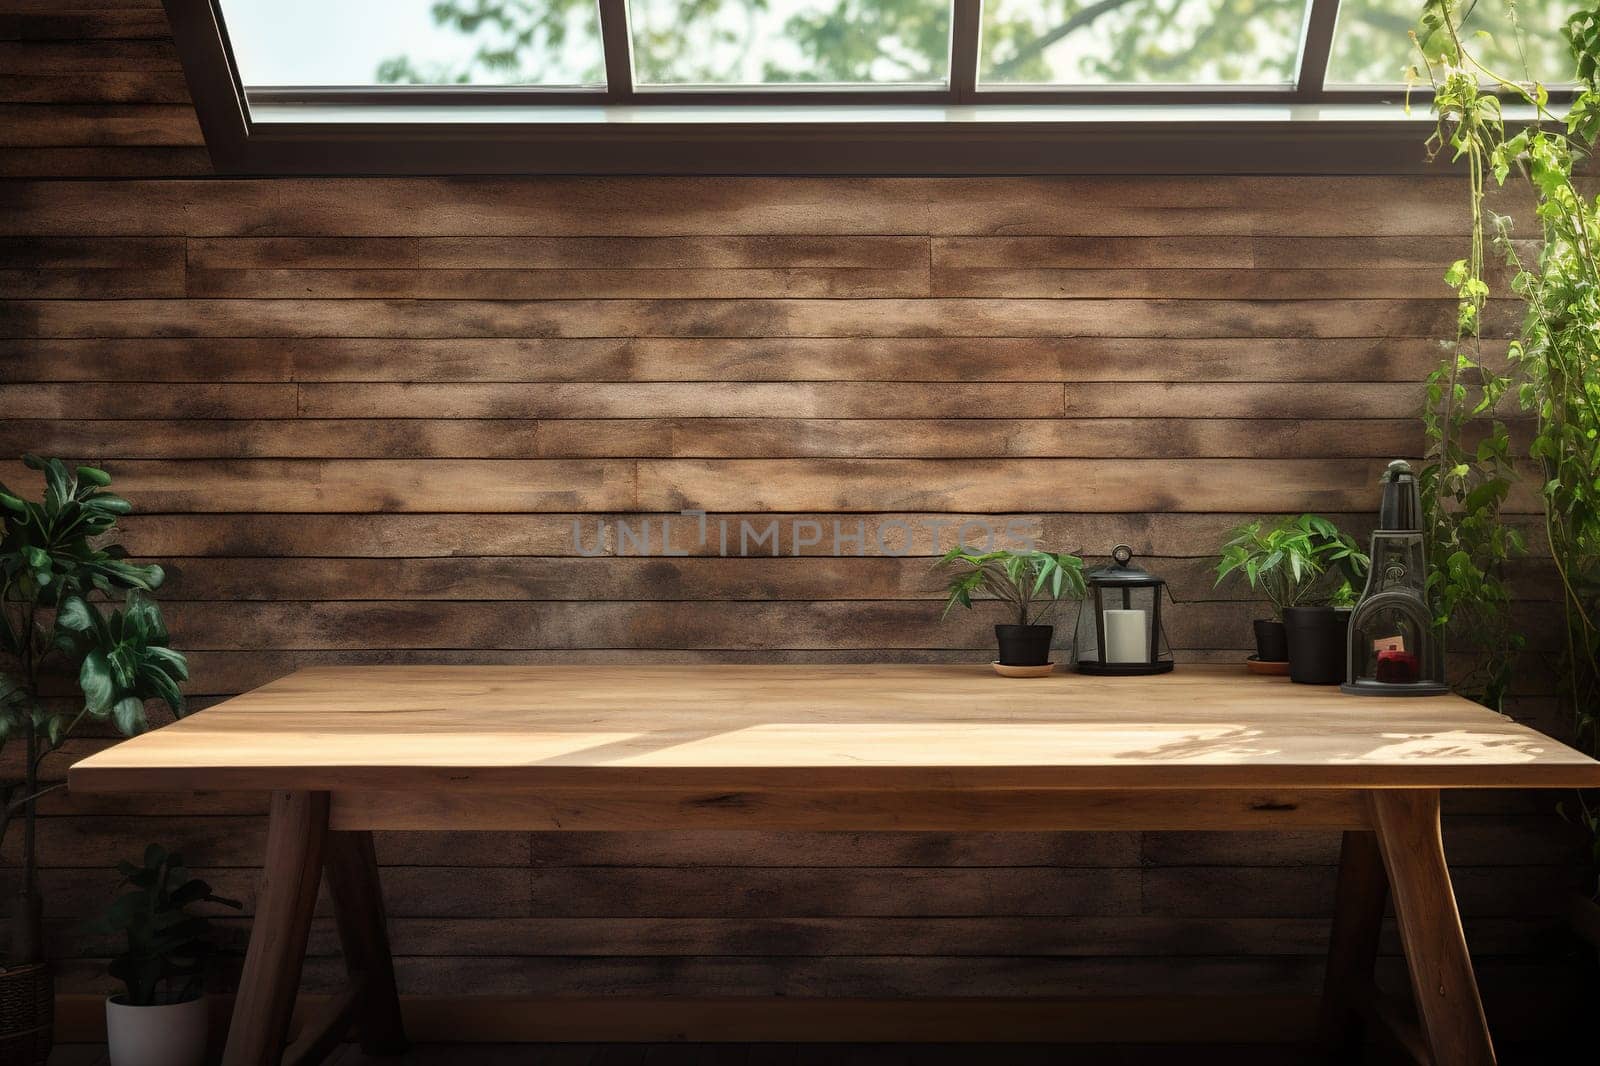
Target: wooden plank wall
{"x":360,"y":419}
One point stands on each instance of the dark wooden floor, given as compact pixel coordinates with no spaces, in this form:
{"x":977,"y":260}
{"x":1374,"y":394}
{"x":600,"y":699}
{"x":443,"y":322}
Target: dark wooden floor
{"x":848,"y":1055}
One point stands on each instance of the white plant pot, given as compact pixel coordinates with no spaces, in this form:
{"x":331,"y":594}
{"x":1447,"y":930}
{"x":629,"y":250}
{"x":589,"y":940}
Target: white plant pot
{"x":167,"y":1035}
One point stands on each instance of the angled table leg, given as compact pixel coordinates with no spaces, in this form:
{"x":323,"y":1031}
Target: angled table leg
{"x":352,"y":871}
{"x":1353,"y":948}
{"x":1430,"y":927}
{"x":271,"y":977}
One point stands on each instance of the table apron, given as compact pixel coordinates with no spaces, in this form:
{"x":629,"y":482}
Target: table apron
{"x":853,"y":810}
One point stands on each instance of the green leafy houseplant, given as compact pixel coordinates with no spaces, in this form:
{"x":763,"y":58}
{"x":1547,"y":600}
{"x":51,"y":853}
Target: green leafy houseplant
{"x":1031,"y":584}
{"x":1554,"y":366}
{"x":166,"y":947}
{"x":57,"y":568}
{"x":1299,"y":560}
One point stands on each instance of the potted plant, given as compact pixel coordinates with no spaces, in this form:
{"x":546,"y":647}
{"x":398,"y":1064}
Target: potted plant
{"x":1318,"y":636}
{"x":57,"y":568}
{"x":1308,"y":570}
{"x":161,"y":1019}
{"x":1031,"y":584}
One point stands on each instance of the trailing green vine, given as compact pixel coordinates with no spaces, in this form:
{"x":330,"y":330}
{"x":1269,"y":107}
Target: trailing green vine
{"x":1555,"y":365}
{"x":1467,"y":468}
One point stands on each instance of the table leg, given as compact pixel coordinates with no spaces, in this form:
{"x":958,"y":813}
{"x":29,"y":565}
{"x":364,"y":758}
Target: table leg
{"x":296,"y":831}
{"x":1353,"y":948}
{"x":352,"y":872}
{"x":1430,"y":927}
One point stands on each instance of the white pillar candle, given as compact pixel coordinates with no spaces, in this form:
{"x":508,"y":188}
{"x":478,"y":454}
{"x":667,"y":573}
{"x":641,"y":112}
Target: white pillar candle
{"x":1125,"y":638}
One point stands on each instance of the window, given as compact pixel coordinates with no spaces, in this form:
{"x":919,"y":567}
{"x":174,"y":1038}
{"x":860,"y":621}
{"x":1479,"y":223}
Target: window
{"x":359,"y":43}
{"x":1019,"y":50}
{"x":817,"y":86}
{"x":790,"y":42}
{"x":1370,"y":46}
{"x":1163,"y":42}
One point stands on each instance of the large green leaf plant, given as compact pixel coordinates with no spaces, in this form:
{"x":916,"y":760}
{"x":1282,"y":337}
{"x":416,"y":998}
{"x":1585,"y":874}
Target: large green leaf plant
{"x":70,"y":603}
{"x":165,"y":950}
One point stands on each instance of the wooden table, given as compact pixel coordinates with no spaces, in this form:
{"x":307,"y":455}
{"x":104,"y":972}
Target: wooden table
{"x":345,"y":751}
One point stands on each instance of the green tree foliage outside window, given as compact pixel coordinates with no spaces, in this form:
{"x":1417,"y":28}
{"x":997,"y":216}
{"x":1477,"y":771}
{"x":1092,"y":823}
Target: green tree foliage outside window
{"x":891,"y":42}
{"x":1140,"y":41}
{"x":1091,"y":42}
{"x":518,"y":41}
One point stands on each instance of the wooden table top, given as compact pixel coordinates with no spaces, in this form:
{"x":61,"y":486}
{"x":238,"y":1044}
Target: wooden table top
{"x":799,"y":727}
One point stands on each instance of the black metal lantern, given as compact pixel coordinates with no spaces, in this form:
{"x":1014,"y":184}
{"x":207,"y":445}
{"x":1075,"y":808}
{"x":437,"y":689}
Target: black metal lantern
{"x":1119,"y":620}
{"x":1394,"y":647}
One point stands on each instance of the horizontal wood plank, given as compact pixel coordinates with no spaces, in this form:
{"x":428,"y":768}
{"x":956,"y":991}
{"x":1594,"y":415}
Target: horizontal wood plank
{"x":451,"y":284}
{"x":382,"y":536}
{"x":1109,"y":206}
{"x":63,"y":253}
{"x":653,"y":254}
{"x":177,"y":401}
{"x":95,"y":87}
{"x":1017,"y":809}
{"x":776,"y":436}
{"x":608,"y":1018}
{"x":82,"y":24}
{"x":1247,"y":359}
{"x":859,"y":400}
{"x":773,"y":485}
{"x":1185,"y":252}
{"x":80,"y":56}
{"x":760,"y":578}
{"x":557,"y":625}
{"x":73,"y":125}
{"x":1154,"y":319}
{"x":1305,"y":284}
{"x":814,"y":577}
{"x":136,"y":161}
{"x":687,"y":400}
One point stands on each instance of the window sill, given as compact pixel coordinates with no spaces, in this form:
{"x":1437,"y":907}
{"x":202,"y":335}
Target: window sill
{"x":902,"y":140}
{"x":273,"y":115}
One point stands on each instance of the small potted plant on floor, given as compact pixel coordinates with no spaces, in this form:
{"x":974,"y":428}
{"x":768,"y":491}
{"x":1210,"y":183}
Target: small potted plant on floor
{"x":1031,"y":584}
{"x":1308,"y":570}
{"x":160,"y":1020}
{"x":61,"y":580}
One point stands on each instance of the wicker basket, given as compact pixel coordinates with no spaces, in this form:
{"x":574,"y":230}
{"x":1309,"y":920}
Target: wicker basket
{"x":27,"y":1015}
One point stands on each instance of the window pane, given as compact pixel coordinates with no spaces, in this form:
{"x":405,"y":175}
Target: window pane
{"x":415,"y":42}
{"x":790,"y":42}
{"x":1371,"y":45}
{"x":1145,"y":42}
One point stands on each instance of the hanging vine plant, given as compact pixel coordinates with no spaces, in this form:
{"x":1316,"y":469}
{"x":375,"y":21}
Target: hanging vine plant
{"x":1553,"y":368}
{"x":1467,"y":471}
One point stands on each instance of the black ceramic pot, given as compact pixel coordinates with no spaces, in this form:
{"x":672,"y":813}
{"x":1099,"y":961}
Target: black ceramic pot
{"x":1024,"y":645}
{"x":1272,"y":643}
{"x":1317,"y":637}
